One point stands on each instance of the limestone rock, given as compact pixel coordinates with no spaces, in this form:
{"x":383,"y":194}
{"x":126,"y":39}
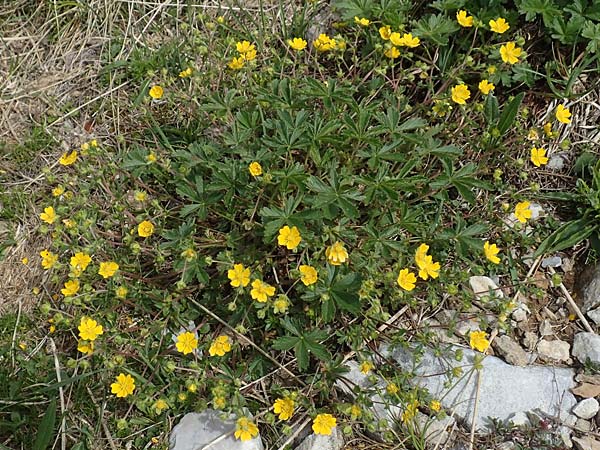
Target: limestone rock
{"x":335,"y":441}
{"x":587,"y":390}
{"x":554,"y":350}
{"x":594,"y":314}
{"x":587,"y":346}
{"x":584,"y":378}
{"x":483,"y":287}
{"x":586,"y":409}
{"x":583,"y":425}
{"x":435,"y":430}
{"x":552,"y":261}
{"x":504,"y":389}
{"x":591,"y":292}
{"x":195,"y":430}
{"x":586,"y":443}
{"x":510,"y":350}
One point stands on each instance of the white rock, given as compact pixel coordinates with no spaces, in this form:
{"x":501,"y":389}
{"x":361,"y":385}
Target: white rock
{"x":483,"y":287}
{"x":594,"y":314}
{"x":536,"y":211}
{"x":552,"y":261}
{"x":583,"y":425}
{"x":554,"y":350}
{"x":587,"y":443}
{"x":195,"y":430}
{"x":546,"y":328}
{"x":586,"y":409}
{"x":520,"y":419}
{"x":520,"y":313}
{"x":335,"y":441}
{"x":434,"y":430}
{"x":556,"y":162}
{"x":511,"y":351}
{"x":587,"y":346}
{"x":591,"y":292}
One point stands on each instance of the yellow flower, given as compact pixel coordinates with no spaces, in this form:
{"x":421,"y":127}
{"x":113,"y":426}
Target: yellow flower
{"x":460,"y":94}
{"x":84,"y":148}
{"x":491,"y":251}
{"x":220,"y":346}
{"x":219,"y":402}
{"x":308,"y":274}
{"x":363,"y":22}
{"x":500,"y":25}
{"x":192,"y":387}
{"x":478,"y":341}
{"x":221,"y":19}
{"x":385,"y":32}
{"x":236,"y":63}
{"x":406,"y":280}
{"x":94,"y":143}
{"x":336,"y":254}
{"x":435,"y":405}
{"x":392,"y":388}
{"x":522,"y":212}
{"x":510,"y":53}
{"x":324,"y":43}
{"x":492,"y":69}
{"x":160,"y":405}
{"x":392,"y":52}
{"x":58,"y":191}
{"x":186,"y":73}
{"x":71,"y":288}
{"x":548,"y":129}
{"x":186,"y":342}
{"x":108,"y":269}
{"x":538,"y":156}
{"x":562,"y":114}
{"x":48,"y":259}
{"x":249,"y":55}
{"x":366,"y":367}
{"x":69,"y":223}
{"x":261,"y":291}
{"x":68,"y":158}
{"x":409,"y":41}
{"x":121,"y":292}
{"x":124,"y":386}
{"x":410,"y":411}
{"x":156,"y":92}
{"x":281,"y":304}
{"x":324,"y":424}
{"x":145,"y":228}
{"x":80,"y":261}
{"x":355,"y":412}
{"x":297,"y":44}
{"x":244,"y":47}
{"x":421,"y":254}
{"x":84,"y":346}
{"x":255,"y":169}
{"x":289,"y":237}
{"x":428,"y":268}
{"x":49,"y":215}
{"x":245,"y":429}
{"x":25,"y":261}
{"x":284,"y":407}
{"x":486,"y":87}
{"x":239,"y":275}
{"x":463,"y":19}
{"x":89,"y":329}
{"x":140,"y":196}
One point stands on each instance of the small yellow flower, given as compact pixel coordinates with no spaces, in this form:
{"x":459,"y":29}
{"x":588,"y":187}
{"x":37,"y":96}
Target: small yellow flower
{"x":49,"y":215}
{"x":363,"y":22}
{"x":156,"y":92}
{"x":221,"y":20}
{"x":255,"y":169}
{"x":308,"y":274}
{"x":406,"y":40}
{"x":121,"y":292}
{"x":145,"y":229}
{"x":522,"y":212}
{"x":281,"y":304}
{"x":94,"y":143}
{"x":500,"y":25}
{"x":220,"y":346}
{"x":84,"y":148}
{"x":219,"y":402}
{"x":80,"y":261}
{"x":324,"y":43}
{"x":324,"y":424}
{"x":563,"y":114}
{"x":492,"y":69}
{"x":124,"y":386}
{"x":140,"y":196}
{"x":463,"y":19}
{"x":538,"y":156}
{"x":244,"y":47}
{"x":261,"y":291}
{"x":58,"y":191}
{"x":69,"y":223}
{"x":428,"y":268}
{"x":192,"y":387}
{"x":548,"y":129}
{"x":486,"y":87}
{"x":49,"y":259}
{"x":68,"y":158}
{"x":284,"y":407}
{"x":478,"y":341}
{"x":491,"y":251}
{"x":385,"y":32}
{"x":108,"y":269}
{"x":510,"y":53}
{"x":186,"y":342}
{"x":25,"y":261}
{"x":236,"y":63}
{"x":336,"y":254}
{"x":460,"y":94}
{"x":289,"y":237}
{"x":89,"y":329}
{"x":186,"y":73}
{"x":297,"y":44}
{"x":392,"y":388}
{"x":83,"y":346}
{"x":71,"y":288}
{"x":239,"y":275}
{"x":245,"y":429}
{"x":151,"y":158}
{"x":355,"y":412}
{"x":410,"y":411}
{"x":366,"y":367}
{"x":160,"y":405}
{"x":249,"y":55}
{"x":406,"y":280}
{"x":392,"y":53}
{"x":435,"y":405}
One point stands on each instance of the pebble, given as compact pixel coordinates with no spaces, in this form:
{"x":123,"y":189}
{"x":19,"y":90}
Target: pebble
{"x":586,"y":409}
{"x":587,"y":346}
{"x":554,"y":350}
{"x":594,"y":314}
{"x":511,"y":351}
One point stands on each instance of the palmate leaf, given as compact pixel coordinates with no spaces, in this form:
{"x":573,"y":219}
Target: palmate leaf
{"x":437,"y":28}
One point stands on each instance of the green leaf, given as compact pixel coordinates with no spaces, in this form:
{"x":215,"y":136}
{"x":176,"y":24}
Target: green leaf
{"x":345,"y":293}
{"x":285,"y":343}
{"x":490,"y":109}
{"x":567,"y":235}
{"x":302,"y":355}
{"x":327,"y":310}
{"x":45,"y":432}
{"x":509,"y":113}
